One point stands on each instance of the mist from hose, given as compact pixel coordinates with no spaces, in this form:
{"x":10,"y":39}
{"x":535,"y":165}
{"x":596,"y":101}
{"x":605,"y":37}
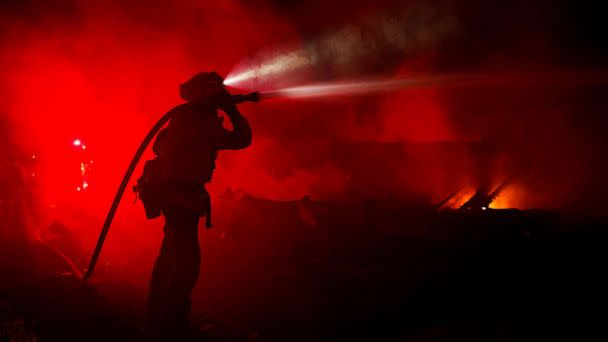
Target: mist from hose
{"x":288,"y":62}
{"x":348,"y":50}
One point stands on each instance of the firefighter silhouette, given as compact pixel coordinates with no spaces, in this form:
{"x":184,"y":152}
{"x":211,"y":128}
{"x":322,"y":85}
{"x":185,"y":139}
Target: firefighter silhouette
{"x":173,"y":184}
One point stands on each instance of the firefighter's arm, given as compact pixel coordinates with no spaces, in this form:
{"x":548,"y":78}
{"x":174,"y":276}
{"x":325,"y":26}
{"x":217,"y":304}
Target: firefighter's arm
{"x":240,"y":136}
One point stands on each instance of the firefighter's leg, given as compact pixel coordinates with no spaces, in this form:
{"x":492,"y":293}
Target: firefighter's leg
{"x":188,"y":265}
{"x":160,"y":286}
{"x":175,"y":273}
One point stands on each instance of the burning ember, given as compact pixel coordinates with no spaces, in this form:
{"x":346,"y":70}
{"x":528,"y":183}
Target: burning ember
{"x":85,"y":166}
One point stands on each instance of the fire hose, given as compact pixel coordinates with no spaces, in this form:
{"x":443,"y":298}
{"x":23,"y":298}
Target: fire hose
{"x":252,"y":97}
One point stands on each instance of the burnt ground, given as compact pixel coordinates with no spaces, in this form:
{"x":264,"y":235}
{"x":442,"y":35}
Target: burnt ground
{"x":362,"y":272}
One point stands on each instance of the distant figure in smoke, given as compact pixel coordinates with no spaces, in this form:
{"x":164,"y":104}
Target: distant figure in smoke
{"x":174,"y":184}
{"x":14,"y":193}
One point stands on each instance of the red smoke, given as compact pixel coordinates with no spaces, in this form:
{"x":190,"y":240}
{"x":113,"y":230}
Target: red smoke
{"x":104,"y":73}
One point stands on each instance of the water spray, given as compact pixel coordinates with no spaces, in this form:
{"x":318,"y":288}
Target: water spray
{"x":355,"y":87}
{"x":359,"y":87}
{"x":460,"y":80}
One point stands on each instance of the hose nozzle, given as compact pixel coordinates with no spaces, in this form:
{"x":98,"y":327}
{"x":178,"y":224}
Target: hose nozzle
{"x":251,"y":97}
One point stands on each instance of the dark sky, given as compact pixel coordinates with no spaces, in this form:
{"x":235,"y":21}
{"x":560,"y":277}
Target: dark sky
{"x":574,"y":30}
